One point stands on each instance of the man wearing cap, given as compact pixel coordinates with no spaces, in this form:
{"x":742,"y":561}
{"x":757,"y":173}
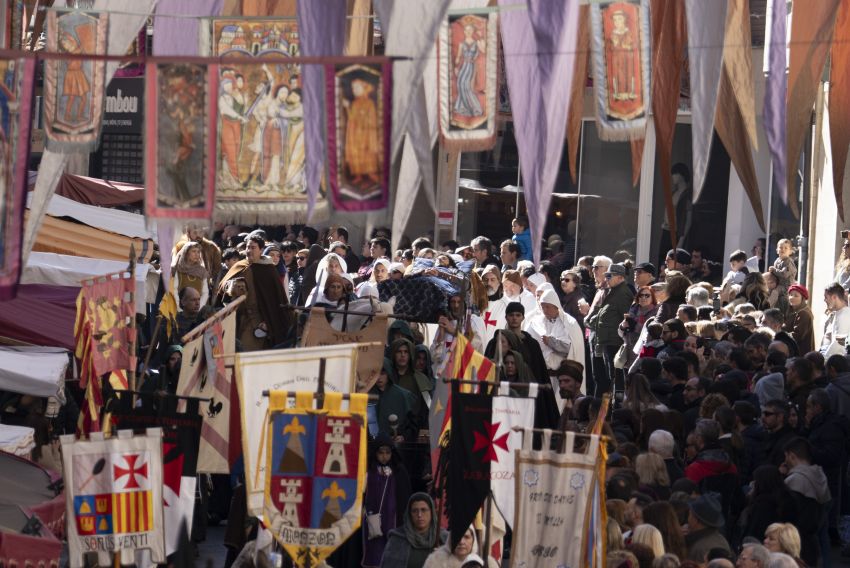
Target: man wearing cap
{"x":644,"y":274}
{"x":603,"y":321}
{"x":678,"y":259}
{"x":705,"y":517}
{"x":569,"y":375}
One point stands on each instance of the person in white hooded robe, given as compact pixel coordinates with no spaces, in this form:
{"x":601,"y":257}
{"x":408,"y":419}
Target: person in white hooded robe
{"x":558,"y":333}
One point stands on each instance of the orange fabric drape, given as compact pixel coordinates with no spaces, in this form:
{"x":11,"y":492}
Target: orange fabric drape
{"x":670,"y":37}
{"x":576,"y":111}
{"x":839,"y":101}
{"x":811,"y":37}
{"x":637,"y":160}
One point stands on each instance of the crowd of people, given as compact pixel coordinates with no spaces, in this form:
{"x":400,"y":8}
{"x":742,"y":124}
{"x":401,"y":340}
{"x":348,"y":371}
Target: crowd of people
{"x":729,"y":433}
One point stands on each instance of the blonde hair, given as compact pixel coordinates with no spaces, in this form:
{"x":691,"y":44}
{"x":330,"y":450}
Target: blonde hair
{"x":651,"y":469}
{"x":614,"y":536}
{"x":650,"y":536}
{"x":787,"y":536}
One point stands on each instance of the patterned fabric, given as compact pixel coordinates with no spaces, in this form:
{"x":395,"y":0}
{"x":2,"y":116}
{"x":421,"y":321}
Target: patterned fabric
{"x":15,"y":105}
{"x":420,"y":298}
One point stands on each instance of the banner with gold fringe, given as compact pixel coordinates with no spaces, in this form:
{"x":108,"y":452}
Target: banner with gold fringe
{"x":316,"y":464}
{"x":74,"y":87}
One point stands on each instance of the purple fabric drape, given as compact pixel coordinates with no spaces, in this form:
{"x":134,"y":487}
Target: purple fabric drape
{"x":539,"y":45}
{"x":321,"y":27}
{"x":774,"y":97}
{"x":179,"y":36}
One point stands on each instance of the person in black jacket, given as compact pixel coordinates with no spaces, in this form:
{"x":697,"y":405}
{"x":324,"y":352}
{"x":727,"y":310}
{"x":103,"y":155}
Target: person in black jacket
{"x":774,"y":419}
{"x":828,"y":433}
{"x":768,"y":502}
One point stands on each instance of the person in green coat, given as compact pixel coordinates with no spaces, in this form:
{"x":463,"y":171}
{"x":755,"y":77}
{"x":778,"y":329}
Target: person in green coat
{"x":603,"y":320}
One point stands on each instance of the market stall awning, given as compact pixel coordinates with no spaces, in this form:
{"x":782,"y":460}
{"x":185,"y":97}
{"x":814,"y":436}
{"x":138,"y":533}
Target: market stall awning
{"x":101,"y":192}
{"x":36,"y":371}
{"x":40,"y":315}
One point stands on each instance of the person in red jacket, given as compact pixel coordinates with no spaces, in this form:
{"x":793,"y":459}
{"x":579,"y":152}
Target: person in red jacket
{"x":711,"y":460}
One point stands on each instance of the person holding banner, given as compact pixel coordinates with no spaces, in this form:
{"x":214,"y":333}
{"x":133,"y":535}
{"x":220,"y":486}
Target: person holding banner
{"x":410,"y":545}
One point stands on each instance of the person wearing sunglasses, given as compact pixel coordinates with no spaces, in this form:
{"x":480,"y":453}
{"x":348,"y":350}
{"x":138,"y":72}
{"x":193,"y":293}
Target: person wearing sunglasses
{"x":774,"y":419}
{"x":643,"y":308}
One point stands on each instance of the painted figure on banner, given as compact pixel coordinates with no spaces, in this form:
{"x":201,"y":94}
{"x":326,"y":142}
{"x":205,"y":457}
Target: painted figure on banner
{"x":181,"y":121}
{"x":504,"y":95}
{"x":622,"y":55}
{"x":77,"y":35}
{"x":8,"y":107}
{"x":468,"y":48}
{"x":362,"y":135}
{"x":261,"y":160}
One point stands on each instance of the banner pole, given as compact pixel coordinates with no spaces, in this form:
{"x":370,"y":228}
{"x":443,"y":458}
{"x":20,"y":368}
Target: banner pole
{"x":488,"y":516}
{"x":131,"y":373}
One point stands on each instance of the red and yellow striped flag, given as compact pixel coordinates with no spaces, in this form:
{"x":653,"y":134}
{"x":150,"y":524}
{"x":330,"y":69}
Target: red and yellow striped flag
{"x":132,"y":512}
{"x":465,"y":360}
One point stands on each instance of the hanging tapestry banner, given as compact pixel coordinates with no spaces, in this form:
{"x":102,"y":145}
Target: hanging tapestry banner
{"x":260,"y":165}
{"x":181,"y":434}
{"x":74,"y":88}
{"x":467,"y":54}
{"x":15,"y":122}
{"x":504,"y":103}
{"x":560,"y":504}
{"x":316,"y":461}
{"x":203,"y":374}
{"x":620,"y":44}
{"x":359,"y":107}
{"x":180,"y":133}
{"x":282,"y":369}
{"x":113,"y":491}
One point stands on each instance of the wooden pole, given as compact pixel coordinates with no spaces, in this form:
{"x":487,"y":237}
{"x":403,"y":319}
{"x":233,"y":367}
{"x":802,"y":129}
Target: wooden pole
{"x":131,"y":373}
{"x":203,"y":326}
{"x":153,"y":343}
{"x":488,"y":520}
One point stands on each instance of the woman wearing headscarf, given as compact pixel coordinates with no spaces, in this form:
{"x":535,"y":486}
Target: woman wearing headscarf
{"x":331,"y":264}
{"x":189,"y":271}
{"x":272,"y":251}
{"x":455,"y":557}
{"x":407,"y":377}
{"x":410,"y":545}
{"x":387,"y":492}
{"x":513,"y":291}
{"x":546,"y":411}
{"x":422,"y":363}
{"x":558,"y":333}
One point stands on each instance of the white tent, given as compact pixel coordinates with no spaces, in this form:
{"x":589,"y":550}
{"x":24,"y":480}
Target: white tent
{"x":37,"y":371}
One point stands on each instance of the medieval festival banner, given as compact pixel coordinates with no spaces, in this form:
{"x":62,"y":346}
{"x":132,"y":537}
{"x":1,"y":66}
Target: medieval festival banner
{"x":560,"y":506}
{"x":260,"y":165}
{"x":285,"y":370}
{"x":113,"y":490}
{"x":467,"y":51}
{"x":621,"y":48}
{"x":359,"y":108}
{"x":180,"y":131}
{"x":181,"y":434}
{"x":105,"y":338}
{"x":316,"y":463}
{"x":74,"y":88}
{"x":16,"y":93}
{"x":204,"y":374}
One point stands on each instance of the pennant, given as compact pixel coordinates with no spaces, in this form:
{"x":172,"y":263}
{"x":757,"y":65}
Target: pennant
{"x":560,"y":504}
{"x":410,"y":29}
{"x":15,"y":122}
{"x":731,"y":121}
{"x":282,"y":369}
{"x":621,"y":52}
{"x":181,"y":433}
{"x":317,"y":471}
{"x":509,"y":412}
{"x":539,"y":48}
{"x":180,"y":157}
{"x":261,"y":167}
{"x":775,"y":94}
{"x":370,"y":359}
{"x":203,"y":374}
{"x":322,"y":32}
{"x":113,"y":491}
{"x":706,"y":33}
{"x":74,"y":88}
{"x":669,"y":32}
{"x":358,"y":101}
{"x":476,"y":442}
{"x":176,"y":35}
{"x":839,"y":103}
{"x":576,"y":112}
{"x":467,"y":50}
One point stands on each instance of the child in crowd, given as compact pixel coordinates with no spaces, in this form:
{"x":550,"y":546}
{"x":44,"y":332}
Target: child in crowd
{"x":735,"y":277}
{"x":783,"y":267}
{"x":522,"y":237}
{"x":654,"y":344}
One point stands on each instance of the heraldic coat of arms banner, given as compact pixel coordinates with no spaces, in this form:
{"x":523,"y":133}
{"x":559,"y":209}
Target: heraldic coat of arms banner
{"x":113,"y":491}
{"x":316,"y":470}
